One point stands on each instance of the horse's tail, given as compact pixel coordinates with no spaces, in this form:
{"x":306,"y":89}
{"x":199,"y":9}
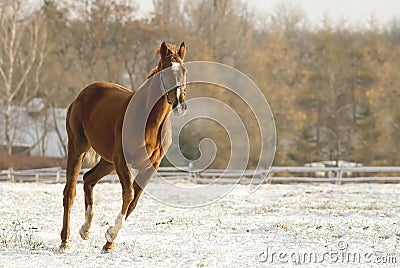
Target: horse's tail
{"x":91,"y":158}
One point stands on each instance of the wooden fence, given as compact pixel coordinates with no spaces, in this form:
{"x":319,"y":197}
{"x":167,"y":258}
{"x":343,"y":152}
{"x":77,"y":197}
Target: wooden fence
{"x":381,"y":174}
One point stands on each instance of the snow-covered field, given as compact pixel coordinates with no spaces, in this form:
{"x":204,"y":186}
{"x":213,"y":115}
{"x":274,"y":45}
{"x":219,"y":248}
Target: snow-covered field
{"x":312,"y":224}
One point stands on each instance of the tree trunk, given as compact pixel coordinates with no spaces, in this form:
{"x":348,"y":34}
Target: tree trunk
{"x":60,"y":138}
{"x":7,"y":129}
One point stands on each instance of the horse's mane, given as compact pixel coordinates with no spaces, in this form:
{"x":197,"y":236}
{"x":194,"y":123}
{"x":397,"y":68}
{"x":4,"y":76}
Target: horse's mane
{"x":155,"y":70}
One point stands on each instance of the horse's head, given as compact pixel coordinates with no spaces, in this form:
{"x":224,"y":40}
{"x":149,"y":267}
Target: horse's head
{"x":173,"y":80}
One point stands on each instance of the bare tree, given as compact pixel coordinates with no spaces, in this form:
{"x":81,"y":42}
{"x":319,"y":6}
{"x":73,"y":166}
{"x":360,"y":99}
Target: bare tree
{"x":22,"y":51}
{"x":62,"y":141}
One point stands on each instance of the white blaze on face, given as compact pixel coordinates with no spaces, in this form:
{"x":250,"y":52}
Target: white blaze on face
{"x":178,"y":93}
{"x":175,"y":66}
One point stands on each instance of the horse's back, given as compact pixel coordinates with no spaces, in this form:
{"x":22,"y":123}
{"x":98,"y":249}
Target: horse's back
{"x":100,"y":96}
{"x":99,"y":108}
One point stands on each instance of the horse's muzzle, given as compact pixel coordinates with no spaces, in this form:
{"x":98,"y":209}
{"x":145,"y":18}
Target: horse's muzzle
{"x":180,"y":109}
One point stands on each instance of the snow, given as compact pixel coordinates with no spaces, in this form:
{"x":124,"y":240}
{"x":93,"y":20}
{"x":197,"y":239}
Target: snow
{"x":29,"y":129}
{"x":239,"y":230}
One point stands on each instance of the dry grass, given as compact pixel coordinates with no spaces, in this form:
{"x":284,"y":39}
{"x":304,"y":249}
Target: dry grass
{"x":29,"y":162}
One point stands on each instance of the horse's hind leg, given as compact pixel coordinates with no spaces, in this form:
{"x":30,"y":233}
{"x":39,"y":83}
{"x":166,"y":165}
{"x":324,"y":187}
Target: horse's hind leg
{"x":125,"y":178}
{"x":90,"y":179}
{"x":76,"y":152}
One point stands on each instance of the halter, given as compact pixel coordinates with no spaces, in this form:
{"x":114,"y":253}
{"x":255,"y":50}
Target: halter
{"x":165,"y":90}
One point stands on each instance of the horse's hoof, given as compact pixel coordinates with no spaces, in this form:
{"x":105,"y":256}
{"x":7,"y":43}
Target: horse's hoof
{"x":108,"y":248}
{"x":85,"y":233}
{"x":109,"y":235}
{"x":65,"y":247}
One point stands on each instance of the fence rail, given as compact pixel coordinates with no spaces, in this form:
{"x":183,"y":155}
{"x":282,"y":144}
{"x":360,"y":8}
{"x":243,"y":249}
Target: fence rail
{"x":339,"y":175}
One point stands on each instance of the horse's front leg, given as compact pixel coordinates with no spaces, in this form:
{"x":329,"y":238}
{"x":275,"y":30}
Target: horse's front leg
{"x":142,"y":179}
{"x":125,"y":178}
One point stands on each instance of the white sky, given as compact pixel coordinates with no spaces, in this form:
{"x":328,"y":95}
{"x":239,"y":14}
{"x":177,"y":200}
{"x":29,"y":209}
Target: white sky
{"x":355,"y":11}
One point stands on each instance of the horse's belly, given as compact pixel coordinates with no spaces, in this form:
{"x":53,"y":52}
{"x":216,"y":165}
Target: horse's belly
{"x":101,"y":131}
{"x":104,"y":148}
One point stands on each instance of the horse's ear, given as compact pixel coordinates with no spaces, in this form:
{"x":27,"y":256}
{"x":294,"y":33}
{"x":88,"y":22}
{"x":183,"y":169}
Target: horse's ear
{"x":163,"y":50}
{"x":182,"y":50}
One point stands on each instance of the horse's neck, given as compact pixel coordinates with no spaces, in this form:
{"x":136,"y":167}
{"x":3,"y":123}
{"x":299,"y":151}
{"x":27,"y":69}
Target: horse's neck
{"x":155,"y":99}
{"x":147,"y":117}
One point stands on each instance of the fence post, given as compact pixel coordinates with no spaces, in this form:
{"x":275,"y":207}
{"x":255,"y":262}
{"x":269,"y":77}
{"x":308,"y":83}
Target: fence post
{"x":268,"y":176}
{"x":339,"y":175}
{"x":190,"y":168}
{"x":58,"y":175}
{"x":11,"y":174}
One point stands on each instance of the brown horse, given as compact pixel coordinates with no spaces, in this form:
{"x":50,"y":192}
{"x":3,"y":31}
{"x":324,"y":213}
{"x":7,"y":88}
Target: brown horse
{"x":97,"y":117}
